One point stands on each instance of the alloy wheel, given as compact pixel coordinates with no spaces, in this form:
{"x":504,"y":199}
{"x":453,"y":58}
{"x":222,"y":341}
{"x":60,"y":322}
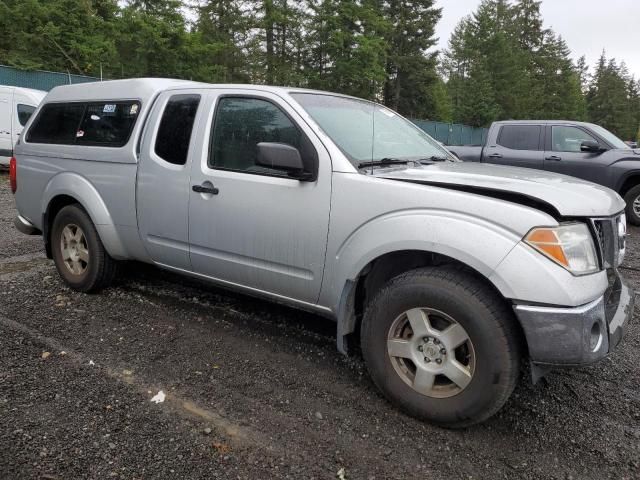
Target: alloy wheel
{"x":431,"y":352}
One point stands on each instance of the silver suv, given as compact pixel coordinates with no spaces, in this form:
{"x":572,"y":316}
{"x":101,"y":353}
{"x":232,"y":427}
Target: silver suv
{"x":449,"y":275}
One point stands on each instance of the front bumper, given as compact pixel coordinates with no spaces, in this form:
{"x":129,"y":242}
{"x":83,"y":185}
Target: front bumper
{"x":579,"y":335}
{"x":24,"y":226}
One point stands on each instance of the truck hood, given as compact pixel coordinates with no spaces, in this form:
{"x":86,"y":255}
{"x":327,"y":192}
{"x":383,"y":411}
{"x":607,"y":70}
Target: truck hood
{"x":568,"y":196}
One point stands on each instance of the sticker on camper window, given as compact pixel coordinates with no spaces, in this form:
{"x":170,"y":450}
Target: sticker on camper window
{"x":95,"y":117}
{"x":80,"y":133}
{"x":134,"y":109}
{"x":109,"y":108}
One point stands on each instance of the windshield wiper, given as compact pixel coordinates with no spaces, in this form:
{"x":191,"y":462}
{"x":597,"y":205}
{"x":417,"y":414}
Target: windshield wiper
{"x":384,"y":161}
{"x":434,"y":158}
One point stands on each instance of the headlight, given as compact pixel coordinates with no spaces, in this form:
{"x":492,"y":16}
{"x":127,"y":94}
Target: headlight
{"x":570,"y":246}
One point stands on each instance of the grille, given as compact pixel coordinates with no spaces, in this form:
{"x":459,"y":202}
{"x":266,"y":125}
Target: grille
{"x":608,"y":243}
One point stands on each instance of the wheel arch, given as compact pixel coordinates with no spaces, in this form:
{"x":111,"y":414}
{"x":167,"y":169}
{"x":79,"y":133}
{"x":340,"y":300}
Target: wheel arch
{"x":377,"y":272}
{"x":628,"y":182}
{"x":70,"y":188}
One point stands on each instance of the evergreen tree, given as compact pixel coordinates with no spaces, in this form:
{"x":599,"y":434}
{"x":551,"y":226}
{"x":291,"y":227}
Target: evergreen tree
{"x":611,"y":98}
{"x":150,"y":40}
{"x":347,"y":50}
{"x":59,"y":35}
{"x":221,"y":35}
{"x":277,"y":51}
{"x":410,"y":69}
{"x":503,"y":53}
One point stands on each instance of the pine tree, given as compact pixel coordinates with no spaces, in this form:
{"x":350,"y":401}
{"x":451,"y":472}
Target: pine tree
{"x":347,"y":51}
{"x":524,"y":70}
{"x":611,"y":98}
{"x":59,"y":35}
{"x":410,"y":70}
{"x":221,"y":36}
{"x":278,"y":49}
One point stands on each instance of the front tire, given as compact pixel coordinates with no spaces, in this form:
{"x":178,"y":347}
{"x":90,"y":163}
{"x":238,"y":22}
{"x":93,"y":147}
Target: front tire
{"x":632,"y":199}
{"x":442,"y":346}
{"x":78,"y":253}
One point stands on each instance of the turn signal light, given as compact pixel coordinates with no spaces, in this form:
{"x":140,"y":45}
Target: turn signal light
{"x":547,"y":241}
{"x":13,"y":174}
{"x":569,"y":245}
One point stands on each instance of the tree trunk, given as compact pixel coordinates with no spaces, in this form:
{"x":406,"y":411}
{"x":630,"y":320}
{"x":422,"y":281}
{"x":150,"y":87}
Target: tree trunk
{"x":268,"y":26}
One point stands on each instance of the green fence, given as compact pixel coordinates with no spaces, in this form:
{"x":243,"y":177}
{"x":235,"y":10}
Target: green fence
{"x":453,"y":133}
{"x":39,"y":79}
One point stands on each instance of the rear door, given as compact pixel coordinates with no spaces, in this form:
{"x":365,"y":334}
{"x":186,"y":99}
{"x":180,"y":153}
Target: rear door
{"x":563,"y":154}
{"x":256,"y":227}
{"x":520,"y":145}
{"x":163,"y":188}
{"x":6,"y":145}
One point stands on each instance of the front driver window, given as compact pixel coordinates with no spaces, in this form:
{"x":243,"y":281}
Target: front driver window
{"x":569,"y":139}
{"x":240,"y":124}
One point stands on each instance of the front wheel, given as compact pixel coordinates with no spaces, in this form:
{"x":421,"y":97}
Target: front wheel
{"x":632,"y":199}
{"x":442,"y":346}
{"x":79,"y":255}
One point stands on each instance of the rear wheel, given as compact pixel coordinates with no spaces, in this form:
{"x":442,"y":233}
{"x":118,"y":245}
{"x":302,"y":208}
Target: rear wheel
{"x":632,"y":198}
{"x":442,"y":346}
{"x":78,"y":252}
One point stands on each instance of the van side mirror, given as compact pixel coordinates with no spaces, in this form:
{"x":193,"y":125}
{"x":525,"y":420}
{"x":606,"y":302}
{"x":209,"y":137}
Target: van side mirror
{"x":281,"y":156}
{"x":591,"y":146}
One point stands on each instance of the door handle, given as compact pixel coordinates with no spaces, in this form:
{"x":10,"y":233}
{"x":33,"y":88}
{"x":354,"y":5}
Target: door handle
{"x":555,"y":158}
{"x":205,"y":189}
{"x":495,"y":155}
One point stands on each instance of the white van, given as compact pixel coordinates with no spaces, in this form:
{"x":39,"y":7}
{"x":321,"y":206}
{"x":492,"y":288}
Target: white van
{"x":16,"y":106}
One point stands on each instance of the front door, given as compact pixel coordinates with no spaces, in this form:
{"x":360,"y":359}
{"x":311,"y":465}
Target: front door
{"x":6,"y":144}
{"x":163,"y":190}
{"x":563,"y":154}
{"x":250,"y":225}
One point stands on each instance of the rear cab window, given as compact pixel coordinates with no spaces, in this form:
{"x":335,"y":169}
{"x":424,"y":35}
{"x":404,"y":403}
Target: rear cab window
{"x":520,"y":137}
{"x":107,"y":124}
{"x":176,"y":125}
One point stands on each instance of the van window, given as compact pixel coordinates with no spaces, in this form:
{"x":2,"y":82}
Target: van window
{"x":107,"y":124}
{"x":520,"y":137}
{"x":242,"y":123}
{"x":56,"y":123}
{"x":24,"y":113}
{"x":174,"y":132}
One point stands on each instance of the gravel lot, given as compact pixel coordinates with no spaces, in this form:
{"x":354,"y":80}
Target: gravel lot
{"x":258,"y":391}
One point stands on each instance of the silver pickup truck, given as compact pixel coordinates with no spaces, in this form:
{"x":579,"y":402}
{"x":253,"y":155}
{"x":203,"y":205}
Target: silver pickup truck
{"x":447,"y":275}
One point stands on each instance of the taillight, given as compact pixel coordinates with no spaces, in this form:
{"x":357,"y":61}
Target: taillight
{"x":13,"y":174}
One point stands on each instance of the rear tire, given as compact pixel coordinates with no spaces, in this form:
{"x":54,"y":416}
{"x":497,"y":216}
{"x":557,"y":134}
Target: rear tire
{"x":632,"y":199}
{"x":78,"y":253}
{"x":464,"y":364}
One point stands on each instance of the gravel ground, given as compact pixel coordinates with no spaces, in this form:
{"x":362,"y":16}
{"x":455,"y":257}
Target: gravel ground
{"x":255,"y":390}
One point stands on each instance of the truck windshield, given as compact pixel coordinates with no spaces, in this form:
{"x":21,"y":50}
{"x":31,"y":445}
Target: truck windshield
{"x":611,"y":139}
{"x":367,"y":132}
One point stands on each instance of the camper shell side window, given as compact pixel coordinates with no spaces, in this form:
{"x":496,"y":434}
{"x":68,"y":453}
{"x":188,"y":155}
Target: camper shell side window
{"x":103,"y":124}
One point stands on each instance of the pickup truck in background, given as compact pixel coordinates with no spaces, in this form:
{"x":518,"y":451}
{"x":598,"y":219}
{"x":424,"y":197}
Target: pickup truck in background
{"x":582,"y":150}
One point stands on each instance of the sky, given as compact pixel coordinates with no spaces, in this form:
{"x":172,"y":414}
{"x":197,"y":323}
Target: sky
{"x":588,"y":26}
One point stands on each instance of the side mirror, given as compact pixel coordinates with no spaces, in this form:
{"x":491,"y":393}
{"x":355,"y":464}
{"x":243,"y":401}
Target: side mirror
{"x":281,"y":156}
{"x":591,"y":146}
